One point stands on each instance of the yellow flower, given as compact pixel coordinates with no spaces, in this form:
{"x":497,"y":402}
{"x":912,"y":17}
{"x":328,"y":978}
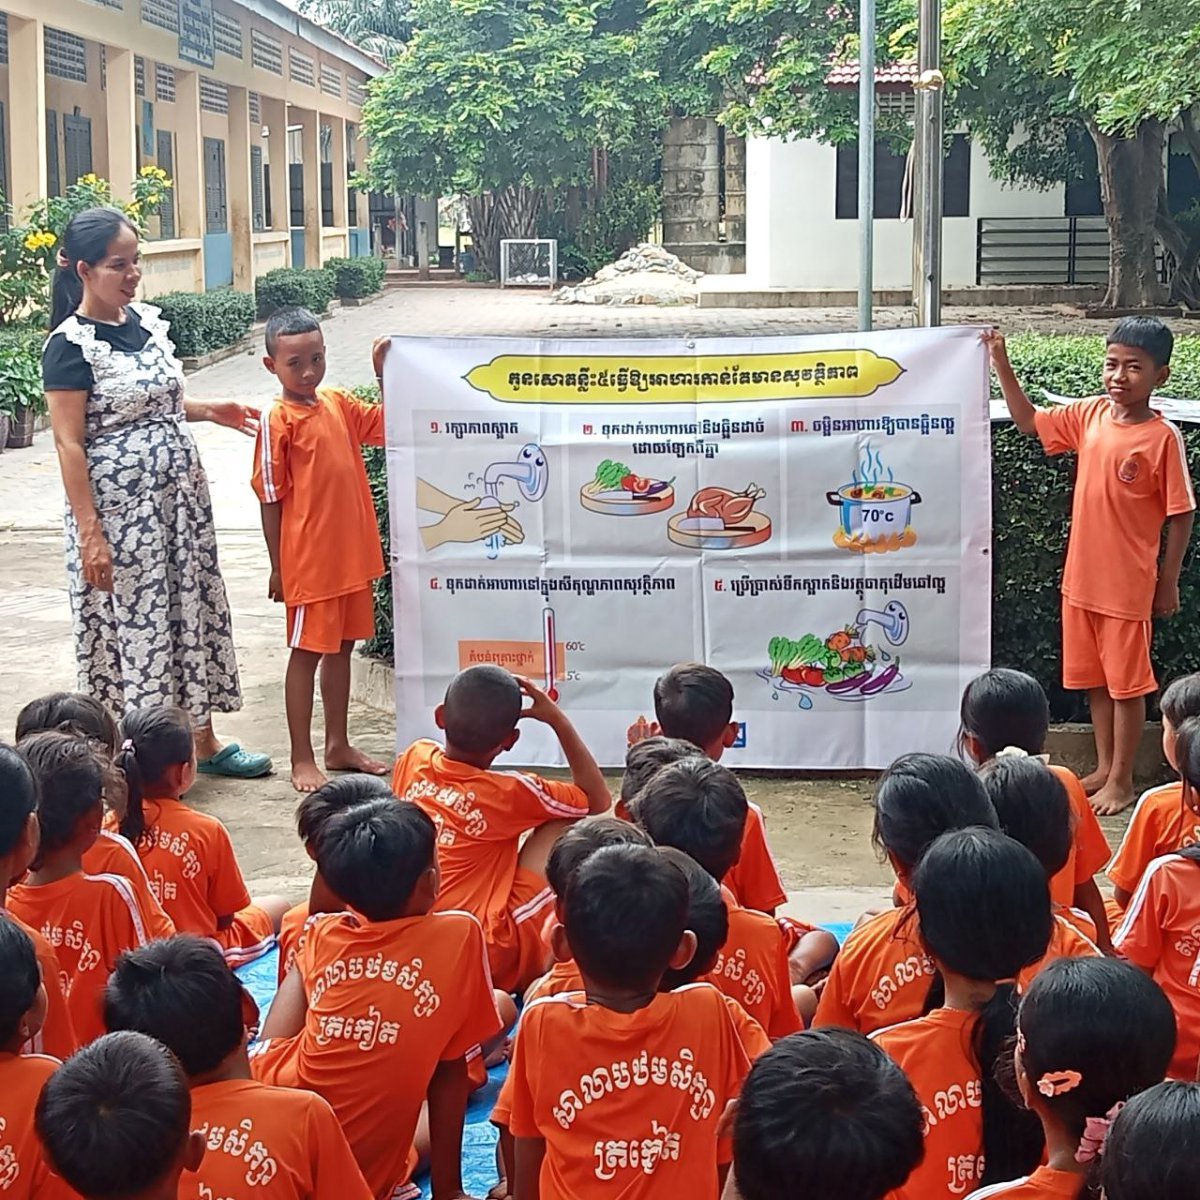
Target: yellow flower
{"x":133,"y":208}
{"x":90,"y":179}
{"x":39,"y":240}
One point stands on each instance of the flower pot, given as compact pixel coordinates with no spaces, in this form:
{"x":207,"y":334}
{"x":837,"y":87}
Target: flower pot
{"x":4,"y":426}
{"x":20,"y":428}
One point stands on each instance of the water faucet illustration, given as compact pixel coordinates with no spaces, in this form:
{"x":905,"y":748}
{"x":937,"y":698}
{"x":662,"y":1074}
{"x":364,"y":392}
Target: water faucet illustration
{"x":893,"y":620}
{"x":529,"y":471}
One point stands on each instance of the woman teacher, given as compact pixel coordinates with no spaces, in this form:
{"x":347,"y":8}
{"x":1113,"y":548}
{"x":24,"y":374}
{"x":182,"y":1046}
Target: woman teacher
{"x":150,"y":612}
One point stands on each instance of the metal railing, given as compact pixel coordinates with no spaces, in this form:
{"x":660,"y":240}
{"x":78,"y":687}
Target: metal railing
{"x":1041,"y":250}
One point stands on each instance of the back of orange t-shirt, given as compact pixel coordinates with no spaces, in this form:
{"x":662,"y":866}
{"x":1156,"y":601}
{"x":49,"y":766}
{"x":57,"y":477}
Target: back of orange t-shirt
{"x":1089,"y":846}
{"x":291,"y":930}
{"x":111,"y":854}
{"x":24,"y":1173}
{"x":1161,"y":823}
{"x":754,"y":878}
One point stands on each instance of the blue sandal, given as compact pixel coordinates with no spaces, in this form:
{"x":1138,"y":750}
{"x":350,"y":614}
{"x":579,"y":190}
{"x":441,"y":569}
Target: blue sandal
{"x":235,"y":763}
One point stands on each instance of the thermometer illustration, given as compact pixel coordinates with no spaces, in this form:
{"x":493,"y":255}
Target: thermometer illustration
{"x":550,"y":652}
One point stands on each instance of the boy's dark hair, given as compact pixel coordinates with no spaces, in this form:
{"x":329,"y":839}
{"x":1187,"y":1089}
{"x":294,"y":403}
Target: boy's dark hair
{"x":1149,"y":1154}
{"x":644,"y":759}
{"x":1005,"y":708}
{"x":921,"y":796}
{"x":1033,"y":808}
{"x":1181,"y":699}
{"x":829,"y":1112}
{"x":372,"y":855}
{"x":338,"y":794}
{"x":707,"y":918}
{"x":18,"y":796}
{"x":288,"y":322}
{"x":20,"y":977}
{"x":182,"y":993}
{"x":1187,"y":751}
{"x":625,"y":911}
{"x":115,"y":1118}
{"x":694,"y":702}
{"x":70,"y":776}
{"x":983,"y":904}
{"x":1144,"y":333}
{"x":155,"y":739}
{"x":70,"y":712}
{"x":482,"y":707}
{"x":699,"y":807}
{"x":581,"y":840}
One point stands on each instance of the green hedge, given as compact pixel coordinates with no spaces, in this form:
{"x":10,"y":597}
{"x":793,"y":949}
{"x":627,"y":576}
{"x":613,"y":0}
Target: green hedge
{"x":292,"y":287}
{"x":205,"y":321}
{"x":21,"y":369}
{"x":356,"y":278}
{"x":1031,"y":496}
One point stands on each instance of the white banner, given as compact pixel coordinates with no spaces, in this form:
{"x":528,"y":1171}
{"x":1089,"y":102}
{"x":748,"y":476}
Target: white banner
{"x":810,"y":515}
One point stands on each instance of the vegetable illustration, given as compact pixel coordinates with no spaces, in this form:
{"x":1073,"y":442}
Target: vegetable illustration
{"x":840,"y":664}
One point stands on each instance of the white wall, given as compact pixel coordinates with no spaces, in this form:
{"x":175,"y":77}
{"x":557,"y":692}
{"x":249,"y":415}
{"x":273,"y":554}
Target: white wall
{"x":793,"y":238}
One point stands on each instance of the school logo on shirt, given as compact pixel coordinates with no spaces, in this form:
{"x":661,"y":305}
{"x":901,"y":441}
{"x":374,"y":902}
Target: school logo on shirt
{"x":1129,"y":470}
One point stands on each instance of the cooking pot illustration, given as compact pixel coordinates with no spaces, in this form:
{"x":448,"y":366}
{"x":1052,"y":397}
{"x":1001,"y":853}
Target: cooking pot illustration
{"x":873,"y":512}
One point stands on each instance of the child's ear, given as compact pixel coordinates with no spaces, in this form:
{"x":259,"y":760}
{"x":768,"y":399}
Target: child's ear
{"x":684,"y":952}
{"x":1164,"y":373}
{"x":730,"y":735}
{"x":976,"y":751}
{"x":559,"y":946}
{"x":193,"y":1154}
{"x":431,"y":882}
{"x":27,"y":846}
{"x":181,"y":777}
{"x":439,"y":717}
{"x":512,"y":739}
{"x":269,"y":363}
{"x":311,"y":851}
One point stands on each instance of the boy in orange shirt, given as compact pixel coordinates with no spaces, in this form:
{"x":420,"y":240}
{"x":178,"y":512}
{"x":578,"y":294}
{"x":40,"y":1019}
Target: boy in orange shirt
{"x":694,"y":702}
{"x":620,"y":1091}
{"x":115,"y":1122}
{"x":88,"y":919}
{"x":481,"y":814}
{"x":279,"y":1143}
{"x":385,"y":1001}
{"x":1131,"y":478}
{"x":322,"y":537}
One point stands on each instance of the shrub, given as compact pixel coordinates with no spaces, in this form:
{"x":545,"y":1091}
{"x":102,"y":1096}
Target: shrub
{"x":21,"y":369}
{"x":292,"y":287}
{"x":205,"y":321}
{"x":355,"y":278}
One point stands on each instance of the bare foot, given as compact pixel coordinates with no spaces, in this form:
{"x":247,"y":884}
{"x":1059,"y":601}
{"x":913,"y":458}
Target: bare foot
{"x":1094,"y":782}
{"x":307,"y":776}
{"x":1113,"y":798}
{"x":347,"y":758}
{"x":499,"y":1054}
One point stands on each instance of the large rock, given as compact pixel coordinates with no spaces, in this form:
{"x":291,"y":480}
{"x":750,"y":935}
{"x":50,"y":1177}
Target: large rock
{"x":644,"y":274}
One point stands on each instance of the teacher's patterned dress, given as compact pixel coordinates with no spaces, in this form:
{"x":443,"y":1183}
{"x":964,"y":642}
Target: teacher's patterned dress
{"x":163,"y":635}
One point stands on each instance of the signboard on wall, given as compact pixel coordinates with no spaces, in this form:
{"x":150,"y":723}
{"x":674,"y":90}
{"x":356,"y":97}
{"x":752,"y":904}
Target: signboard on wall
{"x":196,"y":41}
{"x":809,"y":515}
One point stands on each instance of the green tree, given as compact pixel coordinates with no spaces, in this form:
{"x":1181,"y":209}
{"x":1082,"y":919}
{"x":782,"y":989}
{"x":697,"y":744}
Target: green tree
{"x":381,"y":27}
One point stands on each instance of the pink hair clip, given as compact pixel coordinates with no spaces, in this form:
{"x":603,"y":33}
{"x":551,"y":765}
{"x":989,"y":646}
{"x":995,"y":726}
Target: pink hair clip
{"x":1056,"y":1083}
{"x":1095,"y":1134}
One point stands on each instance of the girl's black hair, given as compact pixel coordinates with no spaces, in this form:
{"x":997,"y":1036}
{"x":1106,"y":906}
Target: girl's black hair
{"x":18,"y":796}
{"x":1105,"y":1020}
{"x":70,"y":775}
{"x":153,"y":741}
{"x":983,"y":902}
{"x":921,"y":796}
{"x":1150,"y":1154}
{"x":86,"y":239}
{"x":1187,"y":752}
{"x":71,"y":712}
{"x":1181,"y":699}
{"x":20,"y":977}
{"x":1004,"y":708}
{"x":1033,"y":808}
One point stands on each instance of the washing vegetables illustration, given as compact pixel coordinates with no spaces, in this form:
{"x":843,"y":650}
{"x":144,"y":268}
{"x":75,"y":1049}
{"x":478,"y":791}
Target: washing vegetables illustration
{"x":616,"y":491}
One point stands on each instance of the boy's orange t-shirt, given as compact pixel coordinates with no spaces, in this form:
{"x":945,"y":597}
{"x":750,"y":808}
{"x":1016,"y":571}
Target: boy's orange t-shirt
{"x":752,"y":968}
{"x":308,"y":459}
{"x":24,"y":1172}
{"x":111,"y":854}
{"x":269,"y":1142}
{"x":1161,"y":934}
{"x":754,"y":878}
{"x":89,"y":920}
{"x":291,"y":932}
{"x":57,"y":1036}
{"x":628,"y":1103}
{"x":1089,"y":847}
{"x":387,"y":1002}
{"x":1161,"y":823}
{"x":1129,"y":480}
{"x":480,"y":817}
{"x":935,"y":1053}
{"x":1044,"y":1184}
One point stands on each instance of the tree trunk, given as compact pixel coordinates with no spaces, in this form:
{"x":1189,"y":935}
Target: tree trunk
{"x":1131,"y":180}
{"x":484,"y":212}
{"x":519,"y":207}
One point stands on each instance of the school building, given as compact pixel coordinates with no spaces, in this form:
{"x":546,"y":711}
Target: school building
{"x":252,"y":110}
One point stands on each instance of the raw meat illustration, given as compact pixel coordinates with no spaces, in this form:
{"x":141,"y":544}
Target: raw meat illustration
{"x":718,"y":503}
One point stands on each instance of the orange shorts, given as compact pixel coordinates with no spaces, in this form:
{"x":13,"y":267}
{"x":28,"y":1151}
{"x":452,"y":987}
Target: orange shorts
{"x":322,"y":627}
{"x":250,"y":936}
{"x":516,"y":951}
{"x":1106,"y":652}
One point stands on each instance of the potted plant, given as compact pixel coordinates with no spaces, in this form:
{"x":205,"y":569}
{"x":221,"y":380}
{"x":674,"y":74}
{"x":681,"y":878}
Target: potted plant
{"x":21,"y":396}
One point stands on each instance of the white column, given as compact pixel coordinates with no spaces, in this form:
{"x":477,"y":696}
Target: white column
{"x":120,"y":105}
{"x":237,"y":166}
{"x":274,"y":114}
{"x":26,"y":111}
{"x":337,"y":137}
{"x":310,"y":156}
{"x":189,"y":155}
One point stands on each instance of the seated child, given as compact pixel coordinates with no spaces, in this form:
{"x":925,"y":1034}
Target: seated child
{"x":1162,"y":822}
{"x":311,"y":814}
{"x":322,"y":536}
{"x":695,"y":703}
{"x":88,"y":919}
{"x":984,"y":908}
{"x":699,"y":807}
{"x":187,"y":854}
{"x":1158,"y":932}
{"x":115,"y":1121}
{"x":384,"y":1002}
{"x":110,"y":854}
{"x":481,"y":814}
{"x":1149,"y":1154}
{"x":621,"y":1090}
{"x":18,"y":844}
{"x":23,"y":1170}
{"x":828,"y":1108}
{"x":643,"y":760}
{"x":1004,"y":710}
{"x":1091,"y":1033}
{"x":278,"y":1143}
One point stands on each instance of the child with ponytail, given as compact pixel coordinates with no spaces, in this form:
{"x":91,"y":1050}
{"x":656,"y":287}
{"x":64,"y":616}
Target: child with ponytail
{"x":187,"y":854}
{"x":984,"y":911}
{"x":1158,"y":931}
{"x":1091,"y":1033}
{"x":1150,"y":1153}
